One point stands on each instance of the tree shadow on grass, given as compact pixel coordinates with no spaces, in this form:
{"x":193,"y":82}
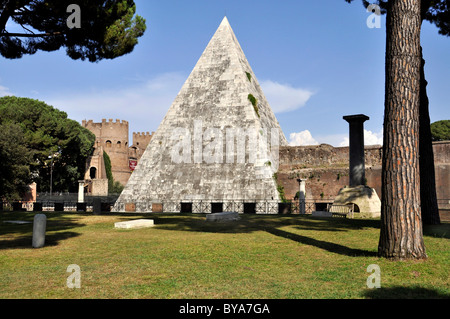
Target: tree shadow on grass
{"x":19,"y":236}
{"x":252,"y":223}
{"x":337,"y":224}
{"x":405,"y":293}
{"x":271,"y":224}
{"x":25,"y":242}
{"x":325,"y":245}
{"x":437,"y":231}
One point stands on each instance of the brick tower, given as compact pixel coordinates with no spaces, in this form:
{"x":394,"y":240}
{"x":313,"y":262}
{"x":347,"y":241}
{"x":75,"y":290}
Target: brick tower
{"x":140,"y":143}
{"x":112,"y":137}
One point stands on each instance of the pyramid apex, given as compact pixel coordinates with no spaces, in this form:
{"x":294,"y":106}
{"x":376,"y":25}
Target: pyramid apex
{"x":225,"y":23}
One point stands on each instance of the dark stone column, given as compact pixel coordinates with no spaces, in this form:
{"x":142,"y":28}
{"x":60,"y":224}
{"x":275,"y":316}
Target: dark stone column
{"x":97,"y":206}
{"x":357,"y":162}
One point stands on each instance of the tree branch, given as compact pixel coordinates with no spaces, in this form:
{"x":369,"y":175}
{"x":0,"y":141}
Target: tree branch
{"x":28,"y":35}
{"x":5,"y":15}
{"x":26,"y":28}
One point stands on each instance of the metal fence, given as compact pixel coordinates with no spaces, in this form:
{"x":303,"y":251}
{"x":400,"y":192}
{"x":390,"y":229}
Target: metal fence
{"x":215,"y":206}
{"x":73,"y":198}
{"x":63,"y":202}
{"x":68,"y":204}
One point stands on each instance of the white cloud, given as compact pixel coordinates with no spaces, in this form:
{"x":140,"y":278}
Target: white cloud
{"x":370,"y":138}
{"x":345,"y":142}
{"x":4,"y":91}
{"x":143,"y":105}
{"x":333,"y":139}
{"x":303,"y":138}
{"x":284,"y":97}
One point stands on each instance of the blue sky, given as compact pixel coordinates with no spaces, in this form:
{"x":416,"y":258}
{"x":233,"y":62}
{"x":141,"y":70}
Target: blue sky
{"x":316,"y":61}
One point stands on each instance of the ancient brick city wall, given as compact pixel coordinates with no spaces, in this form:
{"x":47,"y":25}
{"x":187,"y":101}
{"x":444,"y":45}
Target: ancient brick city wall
{"x":442,"y":162}
{"x":326,"y":169}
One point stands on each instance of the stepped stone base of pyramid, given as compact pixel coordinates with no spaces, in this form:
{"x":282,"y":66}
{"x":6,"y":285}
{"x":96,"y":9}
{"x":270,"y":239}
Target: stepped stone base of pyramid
{"x":260,"y":207}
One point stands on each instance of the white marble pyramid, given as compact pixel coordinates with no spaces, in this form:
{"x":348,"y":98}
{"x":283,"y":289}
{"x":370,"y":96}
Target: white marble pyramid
{"x":218,"y":143}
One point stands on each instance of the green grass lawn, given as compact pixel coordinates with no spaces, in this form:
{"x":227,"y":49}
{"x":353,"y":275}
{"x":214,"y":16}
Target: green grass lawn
{"x":183,"y":256}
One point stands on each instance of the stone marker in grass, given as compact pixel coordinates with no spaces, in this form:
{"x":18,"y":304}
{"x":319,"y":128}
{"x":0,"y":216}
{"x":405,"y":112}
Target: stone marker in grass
{"x":39,"y":228}
{"x":135,"y":224}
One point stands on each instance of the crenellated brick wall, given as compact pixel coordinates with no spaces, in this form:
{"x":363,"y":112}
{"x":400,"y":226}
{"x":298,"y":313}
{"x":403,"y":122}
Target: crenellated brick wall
{"x":112,"y":137}
{"x":326,"y":169}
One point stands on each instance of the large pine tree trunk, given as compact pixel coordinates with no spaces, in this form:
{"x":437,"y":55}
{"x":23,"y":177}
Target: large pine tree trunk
{"x":401,"y":224}
{"x":428,"y":197}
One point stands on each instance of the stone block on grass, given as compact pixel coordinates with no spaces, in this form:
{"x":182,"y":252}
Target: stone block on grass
{"x":135,"y":224}
{"x":322,"y":214}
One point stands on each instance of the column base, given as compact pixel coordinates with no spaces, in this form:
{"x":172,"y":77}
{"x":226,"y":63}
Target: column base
{"x":367,"y":203}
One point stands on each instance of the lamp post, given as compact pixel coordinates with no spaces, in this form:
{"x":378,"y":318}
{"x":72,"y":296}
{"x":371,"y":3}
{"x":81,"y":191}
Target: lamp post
{"x":51,"y":175}
{"x":51,"y":157}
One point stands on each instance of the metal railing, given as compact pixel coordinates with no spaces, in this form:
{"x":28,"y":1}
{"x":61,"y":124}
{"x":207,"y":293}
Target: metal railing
{"x":217,"y":205}
{"x":192,"y":206}
{"x":73,"y":198}
{"x":69,"y":204}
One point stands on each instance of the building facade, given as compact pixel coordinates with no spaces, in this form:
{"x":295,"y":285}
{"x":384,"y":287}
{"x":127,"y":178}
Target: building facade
{"x":112,"y":137}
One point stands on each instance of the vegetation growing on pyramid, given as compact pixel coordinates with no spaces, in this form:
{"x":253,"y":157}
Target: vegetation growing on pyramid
{"x":280,"y":189}
{"x":249,"y":76}
{"x":254,"y":102}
